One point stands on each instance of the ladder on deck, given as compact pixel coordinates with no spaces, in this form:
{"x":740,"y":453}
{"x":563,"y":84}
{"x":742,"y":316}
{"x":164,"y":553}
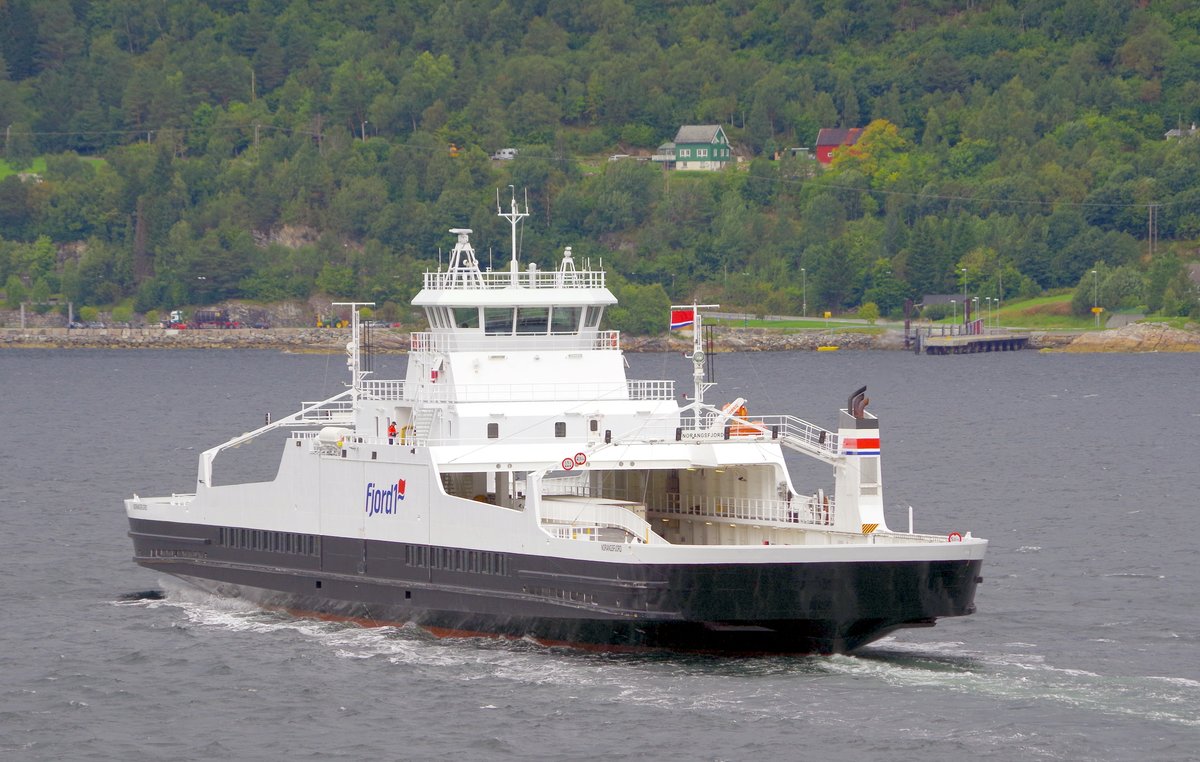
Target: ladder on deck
{"x":423,"y":423}
{"x":806,"y":438}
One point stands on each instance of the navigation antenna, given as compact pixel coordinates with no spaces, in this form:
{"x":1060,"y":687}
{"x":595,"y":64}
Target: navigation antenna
{"x":514,"y":217}
{"x":697,"y":356}
{"x":353,"y":348}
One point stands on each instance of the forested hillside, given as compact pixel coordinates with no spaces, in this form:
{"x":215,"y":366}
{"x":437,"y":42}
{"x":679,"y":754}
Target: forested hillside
{"x":189,"y":152}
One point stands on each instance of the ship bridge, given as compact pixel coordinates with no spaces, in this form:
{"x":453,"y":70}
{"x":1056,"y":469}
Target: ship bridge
{"x":520,"y":351}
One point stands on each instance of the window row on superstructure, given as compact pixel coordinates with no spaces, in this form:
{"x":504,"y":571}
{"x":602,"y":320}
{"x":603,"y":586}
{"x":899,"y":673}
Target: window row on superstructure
{"x":518,"y":321}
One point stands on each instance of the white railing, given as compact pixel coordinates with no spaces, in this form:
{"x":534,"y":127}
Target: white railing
{"x":430,"y":341}
{"x":789,"y":429}
{"x":382,"y":390}
{"x":576,"y":532}
{"x":433,"y":391}
{"x":451,"y":280}
{"x":341,"y":410}
{"x":584,"y":513}
{"x":798,"y":510}
{"x":807,"y":510}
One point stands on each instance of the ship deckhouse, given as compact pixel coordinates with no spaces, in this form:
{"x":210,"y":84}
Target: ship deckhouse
{"x":518,"y":355}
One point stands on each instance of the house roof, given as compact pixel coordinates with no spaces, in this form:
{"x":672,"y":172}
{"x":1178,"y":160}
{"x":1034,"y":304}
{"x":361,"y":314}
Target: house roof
{"x":698,"y":133}
{"x":838,"y":136}
{"x":929,"y":299}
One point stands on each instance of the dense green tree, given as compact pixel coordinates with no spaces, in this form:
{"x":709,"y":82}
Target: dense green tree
{"x":15,"y":291}
{"x":265,"y":149}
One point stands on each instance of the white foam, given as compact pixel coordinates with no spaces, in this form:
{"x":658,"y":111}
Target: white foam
{"x":1015,"y":673}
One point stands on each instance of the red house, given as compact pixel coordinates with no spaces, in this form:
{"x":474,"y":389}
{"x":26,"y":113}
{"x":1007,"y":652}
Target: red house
{"x":830,"y":138}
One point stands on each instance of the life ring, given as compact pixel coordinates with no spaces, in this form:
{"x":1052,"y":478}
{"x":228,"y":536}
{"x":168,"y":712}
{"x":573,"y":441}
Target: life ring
{"x":568,"y":464}
{"x":953,"y":536}
{"x":580,"y":459}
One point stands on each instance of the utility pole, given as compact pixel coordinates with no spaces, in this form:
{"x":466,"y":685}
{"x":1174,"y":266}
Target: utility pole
{"x":804,"y":294}
{"x":1096,"y":297}
{"x":1152,"y":228}
{"x":963,"y":270}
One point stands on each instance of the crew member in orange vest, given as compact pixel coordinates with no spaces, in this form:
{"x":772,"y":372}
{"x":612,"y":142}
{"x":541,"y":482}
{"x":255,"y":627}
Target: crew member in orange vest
{"x":392,"y":433}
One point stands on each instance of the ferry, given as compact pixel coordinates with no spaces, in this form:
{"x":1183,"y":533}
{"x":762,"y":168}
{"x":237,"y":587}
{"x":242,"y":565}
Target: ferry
{"x":517,"y":484}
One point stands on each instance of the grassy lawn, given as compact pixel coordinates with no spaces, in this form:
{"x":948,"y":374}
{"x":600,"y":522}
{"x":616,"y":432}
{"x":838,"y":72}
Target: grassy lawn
{"x":811,"y":324}
{"x":39,"y":166}
{"x":1043,"y":313}
{"x":1182,"y":323}
{"x":1047,"y":313}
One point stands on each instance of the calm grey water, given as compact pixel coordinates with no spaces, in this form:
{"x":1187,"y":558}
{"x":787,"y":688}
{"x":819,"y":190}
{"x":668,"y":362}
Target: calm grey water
{"x":1081,"y":470}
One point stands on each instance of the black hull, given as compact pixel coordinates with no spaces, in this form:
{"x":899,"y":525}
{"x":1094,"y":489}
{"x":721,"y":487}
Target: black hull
{"x":720,"y":608}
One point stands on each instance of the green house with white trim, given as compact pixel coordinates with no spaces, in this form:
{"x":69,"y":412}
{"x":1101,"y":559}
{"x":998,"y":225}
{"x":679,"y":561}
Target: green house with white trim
{"x":701,"y":146}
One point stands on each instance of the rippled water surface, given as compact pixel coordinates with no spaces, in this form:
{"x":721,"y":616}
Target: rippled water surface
{"x":1080,"y":470}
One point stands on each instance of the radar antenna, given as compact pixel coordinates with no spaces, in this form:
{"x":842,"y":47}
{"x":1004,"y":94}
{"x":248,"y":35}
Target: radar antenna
{"x":697,"y":356}
{"x":514,"y":217}
{"x":353,"y":348}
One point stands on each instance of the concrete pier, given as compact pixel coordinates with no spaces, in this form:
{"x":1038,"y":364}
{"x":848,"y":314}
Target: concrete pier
{"x":969,"y":344}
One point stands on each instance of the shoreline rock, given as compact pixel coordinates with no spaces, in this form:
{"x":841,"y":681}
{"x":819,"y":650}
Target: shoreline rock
{"x":1136,"y":337}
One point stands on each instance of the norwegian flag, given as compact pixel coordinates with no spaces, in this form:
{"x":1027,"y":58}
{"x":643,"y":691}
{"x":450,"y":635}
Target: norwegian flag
{"x":682,"y":318}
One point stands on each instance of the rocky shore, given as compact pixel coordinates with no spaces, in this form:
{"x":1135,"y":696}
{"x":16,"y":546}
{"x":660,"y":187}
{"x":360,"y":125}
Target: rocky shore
{"x":287,"y":339}
{"x":1137,"y":337}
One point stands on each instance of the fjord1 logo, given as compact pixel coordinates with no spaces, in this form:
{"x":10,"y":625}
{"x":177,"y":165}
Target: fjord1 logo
{"x":385,"y":500}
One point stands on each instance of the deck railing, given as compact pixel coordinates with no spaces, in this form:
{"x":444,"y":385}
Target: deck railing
{"x":433,"y":391}
{"x":339,"y":411}
{"x":790,"y":430}
{"x":582,"y":514}
{"x":798,"y":510}
{"x":451,"y":280}
{"x":807,"y":510}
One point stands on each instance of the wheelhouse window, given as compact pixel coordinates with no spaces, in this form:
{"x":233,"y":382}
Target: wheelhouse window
{"x":466,"y":317}
{"x":593,"y":316}
{"x":564,"y":320}
{"x":498,"y":321}
{"x":533,"y":319}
